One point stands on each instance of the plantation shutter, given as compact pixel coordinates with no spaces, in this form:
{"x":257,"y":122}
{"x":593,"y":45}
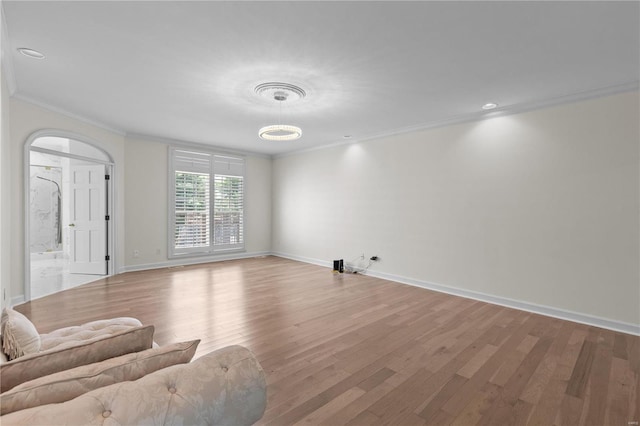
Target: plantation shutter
{"x":228,"y":205}
{"x":207,"y":195}
{"x":192,"y":205}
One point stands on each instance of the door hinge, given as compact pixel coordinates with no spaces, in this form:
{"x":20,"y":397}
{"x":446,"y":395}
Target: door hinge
{"x":107,"y":217}
{"x":107,"y":257}
{"x":107,"y":177}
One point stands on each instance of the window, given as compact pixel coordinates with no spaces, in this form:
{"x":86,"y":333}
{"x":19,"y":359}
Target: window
{"x":207,"y":203}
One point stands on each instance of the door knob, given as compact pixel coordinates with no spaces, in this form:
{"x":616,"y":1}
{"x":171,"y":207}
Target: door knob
{"x":72,"y":224}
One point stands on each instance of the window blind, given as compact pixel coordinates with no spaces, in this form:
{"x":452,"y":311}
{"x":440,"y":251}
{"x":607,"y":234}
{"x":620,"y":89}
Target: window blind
{"x":228,"y":211}
{"x":207,"y":213}
{"x":192,"y":205}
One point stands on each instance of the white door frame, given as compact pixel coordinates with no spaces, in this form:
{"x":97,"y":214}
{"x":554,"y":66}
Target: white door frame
{"x":110,"y":166}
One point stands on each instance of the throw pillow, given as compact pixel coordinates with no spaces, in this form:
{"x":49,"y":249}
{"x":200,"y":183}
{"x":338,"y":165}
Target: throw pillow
{"x":51,"y":361}
{"x":19,"y":335}
{"x":66,"y":385}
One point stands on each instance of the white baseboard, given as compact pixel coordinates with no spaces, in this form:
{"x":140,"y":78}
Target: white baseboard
{"x":193,"y":261}
{"x":469,"y":294}
{"x":548,"y":311}
{"x":17,"y":300}
{"x":325,"y":263}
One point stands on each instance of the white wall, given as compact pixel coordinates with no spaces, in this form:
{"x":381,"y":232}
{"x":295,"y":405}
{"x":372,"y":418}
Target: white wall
{"x":146,"y":202}
{"x":5,"y":191}
{"x":146,"y":199}
{"x":540,"y":207}
{"x":258,"y":204}
{"x":27,"y":118}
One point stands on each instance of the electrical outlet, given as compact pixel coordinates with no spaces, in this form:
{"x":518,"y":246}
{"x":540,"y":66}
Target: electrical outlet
{"x":136,"y":253}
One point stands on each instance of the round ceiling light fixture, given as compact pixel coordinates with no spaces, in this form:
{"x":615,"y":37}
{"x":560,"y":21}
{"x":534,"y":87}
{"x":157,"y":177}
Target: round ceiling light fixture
{"x":490,"y":105}
{"x":280,"y":132}
{"x":280,"y":92}
{"x":30,"y":53}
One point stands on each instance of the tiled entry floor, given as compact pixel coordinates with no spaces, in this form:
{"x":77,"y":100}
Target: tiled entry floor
{"x":50,"y":274}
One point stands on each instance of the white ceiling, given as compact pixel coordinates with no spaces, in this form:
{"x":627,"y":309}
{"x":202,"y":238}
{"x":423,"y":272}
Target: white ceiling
{"x":186,"y":70}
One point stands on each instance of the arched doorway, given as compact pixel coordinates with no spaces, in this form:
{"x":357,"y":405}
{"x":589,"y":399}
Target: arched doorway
{"x":68,"y":219}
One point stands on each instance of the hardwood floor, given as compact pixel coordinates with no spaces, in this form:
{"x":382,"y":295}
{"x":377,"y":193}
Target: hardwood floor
{"x":356,"y":350}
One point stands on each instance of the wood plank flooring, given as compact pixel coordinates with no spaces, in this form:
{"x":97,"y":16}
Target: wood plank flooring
{"x":343,"y":349}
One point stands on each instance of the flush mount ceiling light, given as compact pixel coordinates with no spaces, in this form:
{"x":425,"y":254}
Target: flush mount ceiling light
{"x":490,"y":105}
{"x":280,"y":92}
{"x":30,"y":53}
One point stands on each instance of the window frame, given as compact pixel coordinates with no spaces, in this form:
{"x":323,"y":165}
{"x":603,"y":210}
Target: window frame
{"x":211,"y":249}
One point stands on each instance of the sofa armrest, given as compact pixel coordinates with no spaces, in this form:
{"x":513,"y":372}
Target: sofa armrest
{"x":225,"y":387}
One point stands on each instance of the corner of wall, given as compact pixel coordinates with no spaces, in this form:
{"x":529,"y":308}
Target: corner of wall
{"x":5,"y":189}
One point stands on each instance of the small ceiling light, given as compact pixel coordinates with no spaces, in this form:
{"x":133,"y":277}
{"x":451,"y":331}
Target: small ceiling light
{"x":30,"y":53}
{"x":490,"y":105}
{"x":347,"y":136}
{"x":280,"y":92}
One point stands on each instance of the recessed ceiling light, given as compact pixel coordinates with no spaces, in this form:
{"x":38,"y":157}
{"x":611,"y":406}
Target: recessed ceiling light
{"x":490,"y":105}
{"x":347,"y":136}
{"x":31,"y":53}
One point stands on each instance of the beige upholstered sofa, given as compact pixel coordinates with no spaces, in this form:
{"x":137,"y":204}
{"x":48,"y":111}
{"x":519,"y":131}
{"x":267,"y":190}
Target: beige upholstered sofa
{"x":145,"y":385}
{"x":35,"y":355}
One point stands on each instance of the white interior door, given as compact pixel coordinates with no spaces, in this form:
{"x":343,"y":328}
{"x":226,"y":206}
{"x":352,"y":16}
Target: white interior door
{"x":87,"y":221}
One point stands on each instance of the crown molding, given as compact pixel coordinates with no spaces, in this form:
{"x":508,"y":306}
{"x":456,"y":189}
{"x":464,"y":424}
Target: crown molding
{"x":149,"y":138}
{"x":68,"y":114}
{"x":478,"y":116}
{"x":482,"y":115}
{"x":196,"y":145}
{"x":7,"y":59}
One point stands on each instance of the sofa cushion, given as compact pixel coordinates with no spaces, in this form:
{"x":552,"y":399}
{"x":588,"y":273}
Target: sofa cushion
{"x":66,"y":385}
{"x":72,"y":336}
{"x":19,"y":335}
{"x":51,"y":361}
{"x":225,"y":387}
